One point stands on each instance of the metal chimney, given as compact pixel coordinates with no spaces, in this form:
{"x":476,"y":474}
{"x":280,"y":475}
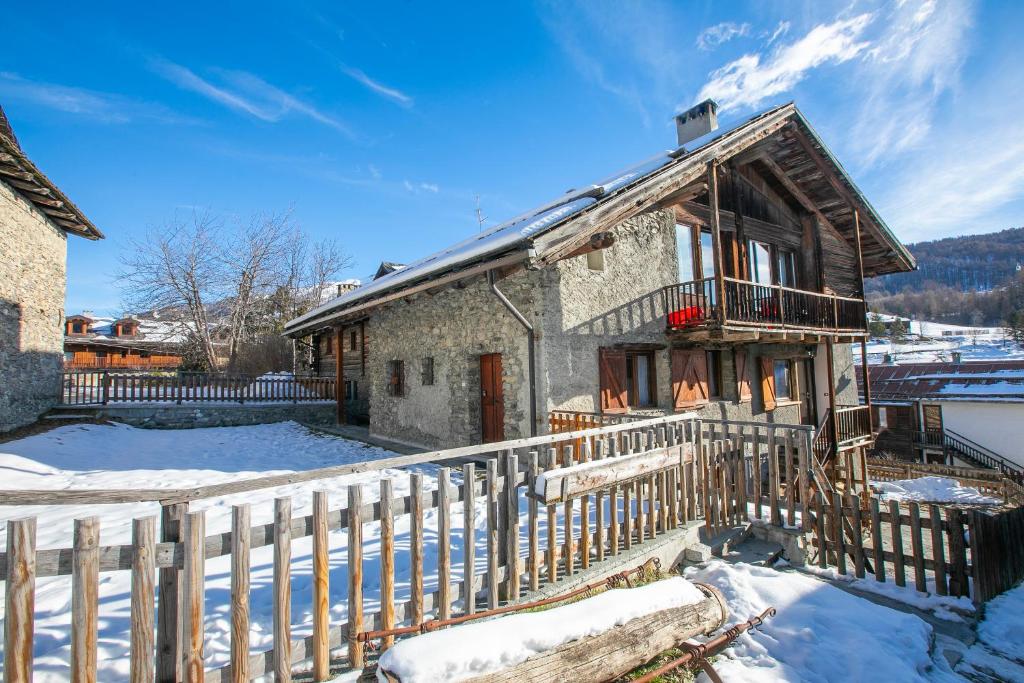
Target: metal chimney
{"x":696,"y":121}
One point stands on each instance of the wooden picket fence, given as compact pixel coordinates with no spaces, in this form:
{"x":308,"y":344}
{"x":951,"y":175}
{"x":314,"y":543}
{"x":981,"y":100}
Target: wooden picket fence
{"x":92,"y":387}
{"x":990,"y":482}
{"x":720,"y":474}
{"x":167,"y":644}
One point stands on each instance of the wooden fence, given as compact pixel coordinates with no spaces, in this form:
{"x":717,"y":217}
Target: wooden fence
{"x":719,"y":472}
{"x":989,"y":482}
{"x":103,"y":387}
{"x":169,"y":571}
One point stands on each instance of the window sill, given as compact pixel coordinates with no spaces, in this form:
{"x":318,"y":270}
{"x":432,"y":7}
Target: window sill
{"x":786,"y":403}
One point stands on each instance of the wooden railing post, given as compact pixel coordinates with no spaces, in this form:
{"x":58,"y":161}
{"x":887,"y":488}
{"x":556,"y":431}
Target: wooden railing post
{"x":106,"y":386}
{"x":19,"y":600}
{"x":168,"y":626}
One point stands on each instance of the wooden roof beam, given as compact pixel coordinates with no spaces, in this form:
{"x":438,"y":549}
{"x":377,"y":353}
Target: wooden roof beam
{"x":806,"y":202}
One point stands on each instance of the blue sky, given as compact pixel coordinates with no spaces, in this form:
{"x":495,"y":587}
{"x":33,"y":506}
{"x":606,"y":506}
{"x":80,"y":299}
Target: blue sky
{"x":380,"y":125}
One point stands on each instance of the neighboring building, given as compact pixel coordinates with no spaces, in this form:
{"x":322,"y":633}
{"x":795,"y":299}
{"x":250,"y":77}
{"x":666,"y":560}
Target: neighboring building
{"x":726,"y":279}
{"x":969,"y":412}
{"x":129,"y":343}
{"x":35,"y":220}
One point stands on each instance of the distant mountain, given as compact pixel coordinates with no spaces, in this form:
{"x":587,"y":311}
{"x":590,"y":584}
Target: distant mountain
{"x":960,"y":280}
{"x":971,"y":263}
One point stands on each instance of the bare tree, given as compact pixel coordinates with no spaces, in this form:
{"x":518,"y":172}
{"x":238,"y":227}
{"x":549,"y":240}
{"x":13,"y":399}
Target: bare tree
{"x":176,"y":267}
{"x":246,"y":279}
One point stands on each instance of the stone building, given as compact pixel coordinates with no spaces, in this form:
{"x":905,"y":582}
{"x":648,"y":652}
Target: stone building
{"x":726,"y":278}
{"x":35,"y":220}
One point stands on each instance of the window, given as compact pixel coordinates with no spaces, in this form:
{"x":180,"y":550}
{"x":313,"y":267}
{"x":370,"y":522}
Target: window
{"x":689,"y":378}
{"x":713,"y":360}
{"x":427,"y":372}
{"x":707,"y":255}
{"x":785,"y":266}
{"x":595,"y":260}
{"x":883,"y":417}
{"x":684,"y":252}
{"x":327,"y":345}
{"x":640,"y":379}
{"x":626,"y":379}
{"x":101,"y":354}
{"x":783,"y":372}
{"x":351,"y":390}
{"x":69,"y":356}
{"x":396,"y":378}
{"x":76,"y":327}
{"x":759,"y":255}
{"x":352,"y":340}
{"x":143,"y":354}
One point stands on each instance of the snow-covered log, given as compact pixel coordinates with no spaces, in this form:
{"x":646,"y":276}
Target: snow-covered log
{"x":597,"y":639}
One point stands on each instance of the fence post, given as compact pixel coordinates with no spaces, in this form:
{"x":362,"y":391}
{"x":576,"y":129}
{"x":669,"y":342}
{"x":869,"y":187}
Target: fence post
{"x":19,"y":600}
{"x":106,"y":386}
{"x":168,"y":625}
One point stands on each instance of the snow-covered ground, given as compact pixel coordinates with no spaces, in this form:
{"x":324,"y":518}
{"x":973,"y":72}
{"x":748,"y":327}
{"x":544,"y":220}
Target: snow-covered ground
{"x":820,"y":633}
{"x":118,"y":456}
{"x":932,"y":490}
{"x":940,"y":350}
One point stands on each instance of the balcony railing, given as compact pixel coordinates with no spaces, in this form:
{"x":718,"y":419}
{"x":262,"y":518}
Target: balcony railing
{"x":695,"y":304}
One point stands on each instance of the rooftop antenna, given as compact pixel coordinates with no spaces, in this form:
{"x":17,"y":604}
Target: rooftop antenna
{"x":480,"y":217}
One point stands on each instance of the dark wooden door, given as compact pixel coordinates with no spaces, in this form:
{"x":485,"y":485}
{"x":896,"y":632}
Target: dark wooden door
{"x":808,"y":407}
{"x":492,"y":402}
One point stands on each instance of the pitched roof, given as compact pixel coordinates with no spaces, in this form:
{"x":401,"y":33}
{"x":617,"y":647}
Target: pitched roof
{"x":974,"y":381}
{"x":18,"y":171}
{"x":550,"y":231}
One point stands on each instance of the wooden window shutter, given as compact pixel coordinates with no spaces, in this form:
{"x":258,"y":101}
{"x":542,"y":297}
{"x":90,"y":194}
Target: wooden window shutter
{"x":742,"y":379}
{"x":689,"y":378}
{"x":612,"y":371}
{"x":768,"y":383}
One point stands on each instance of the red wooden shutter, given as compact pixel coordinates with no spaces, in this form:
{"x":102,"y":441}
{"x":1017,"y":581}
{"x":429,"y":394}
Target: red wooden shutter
{"x":689,"y":378}
{"x":742,"y":380}
{"x":612,"y":371}
{"x":768,"y":383}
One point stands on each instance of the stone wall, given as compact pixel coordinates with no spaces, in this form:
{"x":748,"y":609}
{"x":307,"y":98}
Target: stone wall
{"x":33,"y":263}
{"x":454,"y":327}
{"x":193,"y":416}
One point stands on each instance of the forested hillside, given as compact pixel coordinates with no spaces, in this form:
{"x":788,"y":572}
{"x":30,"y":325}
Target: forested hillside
{"x":964,"y":280}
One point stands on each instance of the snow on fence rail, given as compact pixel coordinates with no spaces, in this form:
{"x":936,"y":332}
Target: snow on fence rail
{"x":103,"y":387}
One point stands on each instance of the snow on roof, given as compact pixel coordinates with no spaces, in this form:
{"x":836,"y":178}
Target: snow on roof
{"x":151,"y":330}
{"x":500,"y":238}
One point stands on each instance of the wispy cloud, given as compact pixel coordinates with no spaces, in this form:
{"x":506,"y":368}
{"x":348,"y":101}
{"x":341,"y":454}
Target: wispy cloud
{"x":780,"y":30}
{"x":417,"y":188}
{"x":713,"y":36}
{"x":755,"y":78}
{"x":246,"y":93}
{"x":98,"y":106}
{"x":387,"y":92}
{"x":914,"y":61}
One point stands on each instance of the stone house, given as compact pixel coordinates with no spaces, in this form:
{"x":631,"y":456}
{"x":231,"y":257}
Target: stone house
{"x":725,"y":277}
{"x":35,"y":221}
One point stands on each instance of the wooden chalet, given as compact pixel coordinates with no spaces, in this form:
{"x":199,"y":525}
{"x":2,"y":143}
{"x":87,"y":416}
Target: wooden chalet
{"x":128,"y":343}
{"x":725,"y":276}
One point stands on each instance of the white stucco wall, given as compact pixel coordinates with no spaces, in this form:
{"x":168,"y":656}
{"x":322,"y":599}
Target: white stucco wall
{"x":996,"y":426}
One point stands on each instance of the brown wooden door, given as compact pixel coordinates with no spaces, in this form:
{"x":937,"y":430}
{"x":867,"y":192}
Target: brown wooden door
{"x":932,"y":418}
{"x":492,"y":402}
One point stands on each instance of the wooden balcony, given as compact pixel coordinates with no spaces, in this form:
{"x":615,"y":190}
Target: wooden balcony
{"x":749,"y":306}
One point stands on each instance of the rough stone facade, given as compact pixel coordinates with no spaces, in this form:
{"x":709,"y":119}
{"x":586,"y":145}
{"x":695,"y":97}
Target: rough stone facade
{"x":191,"y":417}
{"x":33,"y":267}
{"x":575,"y":310}
{"x":454,"y":327}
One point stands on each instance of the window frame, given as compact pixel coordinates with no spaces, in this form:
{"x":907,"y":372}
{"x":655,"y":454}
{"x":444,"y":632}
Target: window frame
{"x":713,"y":364}
{"x":790,"y":375}
{"x":595,"y":260}
{"x":633,"y":379}
{"x":396,"y":378}
{"x":427,"y":371}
